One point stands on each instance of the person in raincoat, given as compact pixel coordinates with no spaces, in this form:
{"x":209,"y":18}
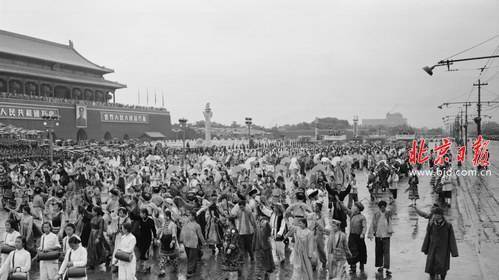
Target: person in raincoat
{"x":303,"y":250}
{"x":439,"y":244}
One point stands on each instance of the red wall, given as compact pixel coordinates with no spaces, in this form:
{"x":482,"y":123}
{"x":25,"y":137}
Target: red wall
{"x":158,"y":122}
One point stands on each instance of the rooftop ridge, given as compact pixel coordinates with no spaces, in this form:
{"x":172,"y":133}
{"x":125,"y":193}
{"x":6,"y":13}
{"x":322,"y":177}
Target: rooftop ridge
{"x":69,"y":47}
{"x":107,"y":70}
{"x":22,"y":36}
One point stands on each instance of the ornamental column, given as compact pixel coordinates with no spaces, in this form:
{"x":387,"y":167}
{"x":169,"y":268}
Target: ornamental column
{"x":208,"y":114}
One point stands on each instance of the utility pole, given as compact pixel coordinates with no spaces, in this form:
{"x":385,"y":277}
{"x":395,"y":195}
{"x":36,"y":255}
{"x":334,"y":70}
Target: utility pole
{"x":479,"y":107}
{"x":466,"y":124}
{"x":461,"y":121}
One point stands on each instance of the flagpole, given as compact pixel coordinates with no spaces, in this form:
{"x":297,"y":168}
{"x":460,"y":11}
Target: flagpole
{"x":138,"y":96}
{"x":147,"y":97}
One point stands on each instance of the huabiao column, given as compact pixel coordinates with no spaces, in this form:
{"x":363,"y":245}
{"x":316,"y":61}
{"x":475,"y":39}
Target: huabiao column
{"x":208,"y":114}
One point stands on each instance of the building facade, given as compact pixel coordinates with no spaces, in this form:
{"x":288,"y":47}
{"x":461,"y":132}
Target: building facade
{"x":391,"y":120}
{"x":41,"y":78}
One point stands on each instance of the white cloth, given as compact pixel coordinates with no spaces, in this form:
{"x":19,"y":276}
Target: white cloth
{"x":17,"y":258}
{"x":78,"y":258}
{"x":49,"y":269}
{"x":9,"y":238}
{"x":49,"y":241}
{"x":278,"y":250}
{"x":126,"y":270}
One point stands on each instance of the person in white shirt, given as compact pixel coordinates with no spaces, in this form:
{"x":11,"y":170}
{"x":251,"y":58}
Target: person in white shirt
{"x":76,"y":256}
{"x":9,"y":239}
{"x":127,"y":270}
{"x":70,"y":230}
{"x":381,"y":230}
{"x":49,"y":242}
{"x":17,"y":260}
{"x":122,"y":219}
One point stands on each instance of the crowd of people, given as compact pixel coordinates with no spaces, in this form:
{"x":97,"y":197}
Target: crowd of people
{"x":113,"y":209}
{"x":79,"y":100}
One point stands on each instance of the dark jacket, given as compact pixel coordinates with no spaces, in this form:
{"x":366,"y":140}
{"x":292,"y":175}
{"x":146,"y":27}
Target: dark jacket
{"x":439,"y":244}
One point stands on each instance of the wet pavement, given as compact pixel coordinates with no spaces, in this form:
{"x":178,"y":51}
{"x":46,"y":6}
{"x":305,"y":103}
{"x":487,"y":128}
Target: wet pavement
{"x":407,"y":260}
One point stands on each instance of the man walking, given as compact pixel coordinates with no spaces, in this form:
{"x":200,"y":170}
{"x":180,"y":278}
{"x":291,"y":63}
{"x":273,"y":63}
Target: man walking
{"x":245,"y":224}
{"x":381,"y":229}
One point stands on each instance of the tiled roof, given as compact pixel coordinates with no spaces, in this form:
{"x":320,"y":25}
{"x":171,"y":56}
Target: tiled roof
{"x":59,"y":76}
{"x":22,"y":45}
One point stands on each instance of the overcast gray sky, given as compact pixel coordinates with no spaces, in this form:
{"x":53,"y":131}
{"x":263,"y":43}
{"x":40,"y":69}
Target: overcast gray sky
{"x":278,"y":61}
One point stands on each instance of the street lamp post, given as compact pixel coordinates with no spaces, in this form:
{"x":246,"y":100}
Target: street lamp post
{"x":50,"y":122}
{"x":248,"y":122}
{"x":183,"y":124}
{"x":449,"y":62}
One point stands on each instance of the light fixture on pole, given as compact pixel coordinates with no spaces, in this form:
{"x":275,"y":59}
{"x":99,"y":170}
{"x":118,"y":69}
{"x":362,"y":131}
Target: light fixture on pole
{"x":449,"y":62}
{"x":183,"y":124}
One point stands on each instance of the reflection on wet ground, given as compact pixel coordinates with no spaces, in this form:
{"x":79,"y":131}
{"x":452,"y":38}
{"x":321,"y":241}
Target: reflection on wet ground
{"x":407,"y":261}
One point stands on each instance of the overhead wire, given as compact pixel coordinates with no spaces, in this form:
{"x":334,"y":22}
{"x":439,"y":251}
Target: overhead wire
{"x":486,"y":67}
{"x":470,"y":48}
{"x":483,"y":70}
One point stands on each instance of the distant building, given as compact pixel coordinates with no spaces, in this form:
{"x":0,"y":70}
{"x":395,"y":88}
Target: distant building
{"x":391,"y":120}
{"x":39,"y":79}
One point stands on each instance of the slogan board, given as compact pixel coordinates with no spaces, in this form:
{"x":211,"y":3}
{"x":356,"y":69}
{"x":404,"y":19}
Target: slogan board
{"x":123,"y":117}
{"x":26,"y":113}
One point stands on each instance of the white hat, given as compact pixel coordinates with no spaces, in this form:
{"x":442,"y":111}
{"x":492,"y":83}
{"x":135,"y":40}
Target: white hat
{"x":311,"y":192}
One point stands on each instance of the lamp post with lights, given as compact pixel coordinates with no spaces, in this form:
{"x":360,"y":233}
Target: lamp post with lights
{"x":183,"y":126}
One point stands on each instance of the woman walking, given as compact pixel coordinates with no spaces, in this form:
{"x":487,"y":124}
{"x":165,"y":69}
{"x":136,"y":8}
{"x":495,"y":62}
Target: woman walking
{"x":49,"y":242}
{"x":26,"y":227}
{"x":147,"y":230}
{"x":231,"y":256}
{"x":263,"y":248}
{"x":303,"y":250}
{"x":17,"y":260}
{"x":97,"y":253}
{"x":413,"y":188}
{"x":338,"y":251}
{"x":169,"y":245}
{"x":76,"y":256}
{"x":122,"y":219}
{"x":439,"y":244}
{"x":212,"y":231}
{"x":127,"y":270}
{"x":8,"y":241}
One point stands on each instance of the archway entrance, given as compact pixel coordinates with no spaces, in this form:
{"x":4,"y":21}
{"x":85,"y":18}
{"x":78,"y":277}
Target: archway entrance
{"x":81,"y":135}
